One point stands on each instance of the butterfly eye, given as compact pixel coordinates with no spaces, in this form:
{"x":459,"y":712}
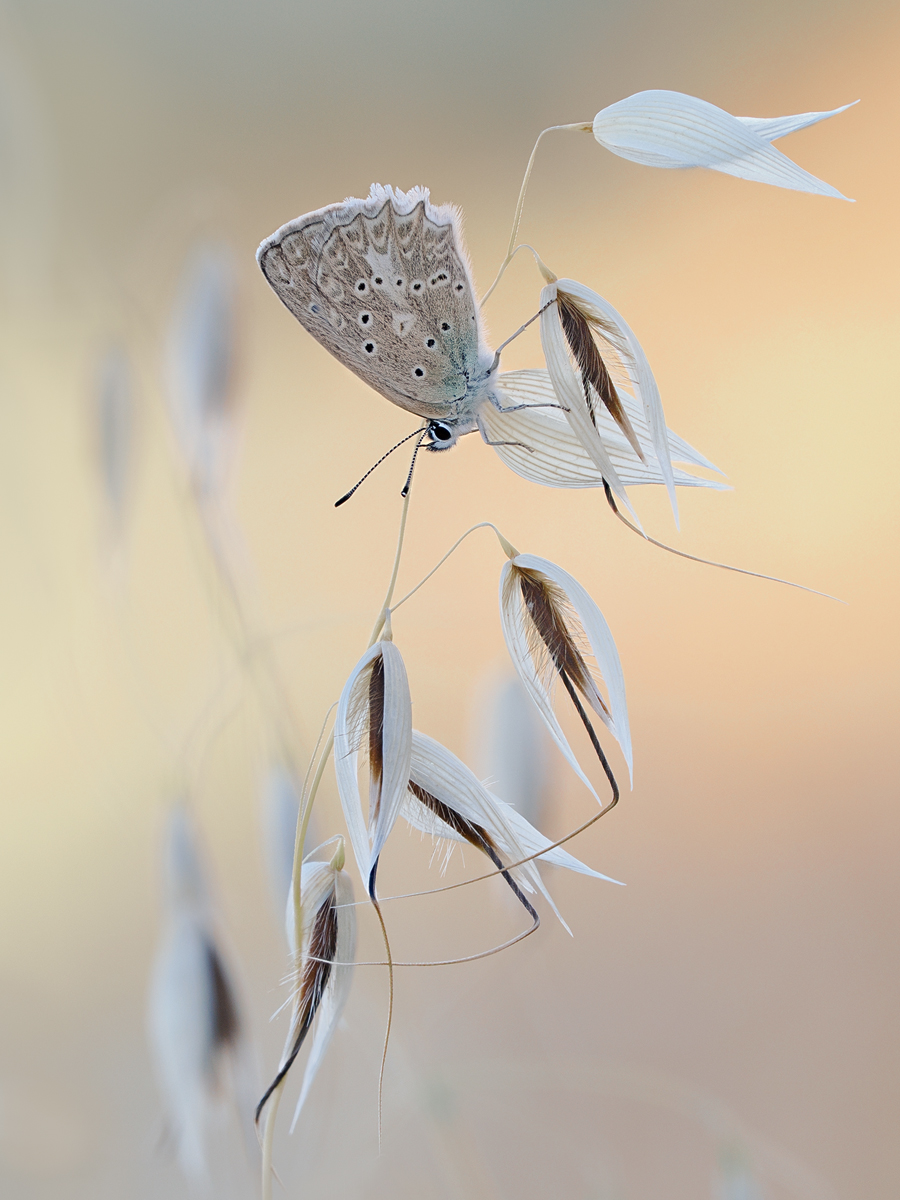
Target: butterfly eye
{"x":365,"y":318}
{"x":361,"y":286}
{"x":419,"y":372}
{"x":440,"y":433}
{"x":369,"y":347}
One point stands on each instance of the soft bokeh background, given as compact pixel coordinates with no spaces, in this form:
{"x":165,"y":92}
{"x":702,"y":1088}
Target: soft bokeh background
{"x":728,"y":1020}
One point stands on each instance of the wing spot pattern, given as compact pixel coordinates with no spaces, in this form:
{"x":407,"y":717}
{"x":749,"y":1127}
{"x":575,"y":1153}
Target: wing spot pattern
{"x":386,"y":261}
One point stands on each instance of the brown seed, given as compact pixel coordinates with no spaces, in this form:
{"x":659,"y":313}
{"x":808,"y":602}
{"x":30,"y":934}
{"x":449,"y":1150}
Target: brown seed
{"x":595,"y":378}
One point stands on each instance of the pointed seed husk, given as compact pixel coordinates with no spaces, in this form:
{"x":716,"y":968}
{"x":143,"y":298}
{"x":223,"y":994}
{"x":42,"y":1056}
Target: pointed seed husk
{"x":314,"y":979}
{"x":579,"y":330}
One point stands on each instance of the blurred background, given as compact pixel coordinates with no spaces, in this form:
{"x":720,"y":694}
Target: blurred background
{"x":181,"y":602}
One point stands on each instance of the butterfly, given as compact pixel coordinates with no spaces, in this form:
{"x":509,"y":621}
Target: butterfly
{"x":385,"y":285}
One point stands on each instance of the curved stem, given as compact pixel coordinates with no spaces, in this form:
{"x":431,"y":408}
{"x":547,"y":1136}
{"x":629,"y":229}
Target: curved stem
{"x":459,"y":541}
{"x":390,"y":1017}
{"x":520,"y":203}
{"x":453,"y":962}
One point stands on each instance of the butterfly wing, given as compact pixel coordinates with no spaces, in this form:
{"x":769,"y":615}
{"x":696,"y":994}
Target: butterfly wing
{"x":385,"y":286}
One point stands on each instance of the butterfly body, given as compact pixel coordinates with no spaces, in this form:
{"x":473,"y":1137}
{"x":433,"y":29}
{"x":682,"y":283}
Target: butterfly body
{"x":384,"y":284}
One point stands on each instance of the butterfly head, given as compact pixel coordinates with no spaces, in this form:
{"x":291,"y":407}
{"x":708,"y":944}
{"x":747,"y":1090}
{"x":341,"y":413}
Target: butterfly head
{"x":443,"y":435}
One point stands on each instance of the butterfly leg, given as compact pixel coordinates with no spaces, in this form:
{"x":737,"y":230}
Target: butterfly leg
{"x":518,"y":407}
{"x":487,"y":441}
{"x":501,"y":348}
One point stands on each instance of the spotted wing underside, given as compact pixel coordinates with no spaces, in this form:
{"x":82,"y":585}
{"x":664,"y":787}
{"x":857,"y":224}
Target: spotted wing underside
{"x":384,"y":285}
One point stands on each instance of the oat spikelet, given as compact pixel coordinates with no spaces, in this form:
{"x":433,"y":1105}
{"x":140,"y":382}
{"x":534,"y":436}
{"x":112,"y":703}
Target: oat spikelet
{"x":579,"y":329}
{"x":315,"y":972}
{"x":475,"y":835}
{"x":553,"y":629}
{"x":374,"y":715}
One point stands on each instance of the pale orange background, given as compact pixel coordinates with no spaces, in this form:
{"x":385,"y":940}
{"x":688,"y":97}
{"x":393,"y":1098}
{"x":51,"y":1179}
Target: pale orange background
{"x":750,"y":966}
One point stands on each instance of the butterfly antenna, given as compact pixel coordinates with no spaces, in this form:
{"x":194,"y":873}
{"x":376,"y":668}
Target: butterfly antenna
{"x":412,"y":465}
{"x":344,"y":499}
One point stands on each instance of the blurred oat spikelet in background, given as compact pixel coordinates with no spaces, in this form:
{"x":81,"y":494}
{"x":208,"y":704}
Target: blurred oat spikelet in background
{"x":511,"y":746}
{"x":202,"y":1055}
{"x":201,"y":377}
{"x":200,"y":366}
{"x":114,"y":426}
{"x":735,"y":1179}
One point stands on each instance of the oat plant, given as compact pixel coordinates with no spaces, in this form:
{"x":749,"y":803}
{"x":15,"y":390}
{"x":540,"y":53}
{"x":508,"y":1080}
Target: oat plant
{"x":384,"y":283}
